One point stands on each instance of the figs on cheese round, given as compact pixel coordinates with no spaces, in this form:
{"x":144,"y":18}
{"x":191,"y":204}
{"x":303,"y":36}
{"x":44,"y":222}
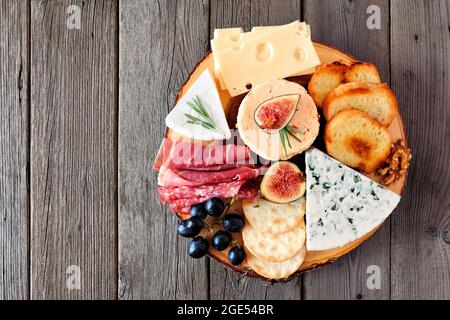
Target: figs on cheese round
{"x":278,"y":119}
{"x":276,"y":113}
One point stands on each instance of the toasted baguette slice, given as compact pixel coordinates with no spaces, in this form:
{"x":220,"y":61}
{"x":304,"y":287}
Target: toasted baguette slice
{"x":329,"y":76}
{"x":362,"y":72}
{"x":326,"y":78}
{"x":357,"y":140}
{"x":377,"y":100}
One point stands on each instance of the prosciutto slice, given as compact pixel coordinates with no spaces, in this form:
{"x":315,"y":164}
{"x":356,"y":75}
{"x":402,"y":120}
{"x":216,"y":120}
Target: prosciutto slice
{"x":176,"y":177}
{"x":187,"y":155}
{"x":190,"y":173}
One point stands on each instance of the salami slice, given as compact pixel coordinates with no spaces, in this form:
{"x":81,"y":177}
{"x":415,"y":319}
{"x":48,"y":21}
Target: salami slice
{"x":168,"y":194}
{"x":225,"y":191}
{"x":249,"y":190}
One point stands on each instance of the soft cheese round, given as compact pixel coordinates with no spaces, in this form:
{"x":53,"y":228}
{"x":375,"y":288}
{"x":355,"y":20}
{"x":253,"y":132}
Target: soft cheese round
{"x":274,"y":218}
{"x":269,"y":145}
{"x":276,"y":270}
{"x":271,"y":247}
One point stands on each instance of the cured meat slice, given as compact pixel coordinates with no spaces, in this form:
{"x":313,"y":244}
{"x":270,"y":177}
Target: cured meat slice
{"x":248,"y":191}
{"x":159,"y":158}
{"x":220,"y":167}
{"x":226,"y":190}
{"x":187,"y":155}
{"x":176,"y":177}
{"x":184,"y":212}
{"x":168,"y":194}
{"x":206,"y":177}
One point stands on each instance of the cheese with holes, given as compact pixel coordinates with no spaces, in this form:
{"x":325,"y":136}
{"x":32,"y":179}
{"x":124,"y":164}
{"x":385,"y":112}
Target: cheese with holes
{"x":276,"y":54}
{"x":233,"y":33}
{"x":180,"y":118}
{"x":342,"y":205}
{"x":233,"y":37}
{"x":301,"y":25}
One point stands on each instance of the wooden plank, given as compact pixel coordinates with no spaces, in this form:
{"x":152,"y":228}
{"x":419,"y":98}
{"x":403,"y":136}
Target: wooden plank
{"x":225,"y":284}
{"x":14,"y":133}
{"x":73,"y":151}
{"x":343,"y":24}
{"x":420,"y":51}
{"x":159,"y":47}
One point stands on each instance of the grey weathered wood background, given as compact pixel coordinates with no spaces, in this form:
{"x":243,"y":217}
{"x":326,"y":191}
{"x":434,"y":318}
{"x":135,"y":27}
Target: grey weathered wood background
{"x":82,"y":115}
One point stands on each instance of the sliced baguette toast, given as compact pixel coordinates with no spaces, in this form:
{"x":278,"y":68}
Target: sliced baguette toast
{"x":376,"y":100}
{"x":331,"y":75}
{"x":362,"y":72}
{"x":357,"y":140}
{"x":325,"y":79}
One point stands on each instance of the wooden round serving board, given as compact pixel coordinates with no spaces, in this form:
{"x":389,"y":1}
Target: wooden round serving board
{"x":231,"y":104}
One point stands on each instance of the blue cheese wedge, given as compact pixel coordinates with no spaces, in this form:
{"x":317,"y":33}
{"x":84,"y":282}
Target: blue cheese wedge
{"x":342,"y":205}
{"x":199,"y":113}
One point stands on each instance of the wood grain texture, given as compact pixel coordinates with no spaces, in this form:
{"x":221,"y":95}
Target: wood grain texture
{"x":159,"y":46}
{"x":14,"y":133}
{"x":420,"y":51}
{"x":342,"y":24}
{"x":225,"y":284}
{"x":73,"y":143}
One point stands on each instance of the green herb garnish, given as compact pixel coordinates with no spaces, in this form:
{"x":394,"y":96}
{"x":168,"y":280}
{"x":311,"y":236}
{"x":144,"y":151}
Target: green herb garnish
{"x":203,"y":118}
{"x":287,"y":132}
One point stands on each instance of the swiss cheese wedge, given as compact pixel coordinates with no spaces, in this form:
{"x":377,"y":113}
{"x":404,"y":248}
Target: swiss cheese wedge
{"x":262,"y":55}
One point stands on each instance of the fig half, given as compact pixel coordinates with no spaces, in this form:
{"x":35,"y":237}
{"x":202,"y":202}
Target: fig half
{"x":275,"y":113}
{"x":283,"y":182}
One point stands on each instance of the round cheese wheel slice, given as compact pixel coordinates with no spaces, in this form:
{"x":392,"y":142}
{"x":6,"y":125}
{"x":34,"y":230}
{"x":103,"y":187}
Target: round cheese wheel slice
{"x":278,"y":144}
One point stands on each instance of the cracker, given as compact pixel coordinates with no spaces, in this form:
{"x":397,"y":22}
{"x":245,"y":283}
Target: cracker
{"x":276,"y":270}
{"x":273,"y":218}
{"x":271,"y":247}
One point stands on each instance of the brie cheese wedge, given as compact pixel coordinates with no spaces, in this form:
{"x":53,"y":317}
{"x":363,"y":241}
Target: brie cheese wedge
{"x":342,"y":205}
{"x":180,"y":118}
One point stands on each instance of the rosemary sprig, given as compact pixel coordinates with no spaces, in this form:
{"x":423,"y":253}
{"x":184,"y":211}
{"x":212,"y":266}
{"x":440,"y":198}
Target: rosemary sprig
{"x":203,"y":119}
{"x":283,"y":141}
{"x":290,"y":128}
{"x":287,"y":132}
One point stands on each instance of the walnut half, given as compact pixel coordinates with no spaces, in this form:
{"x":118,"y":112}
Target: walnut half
{"x":396,"y":164}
